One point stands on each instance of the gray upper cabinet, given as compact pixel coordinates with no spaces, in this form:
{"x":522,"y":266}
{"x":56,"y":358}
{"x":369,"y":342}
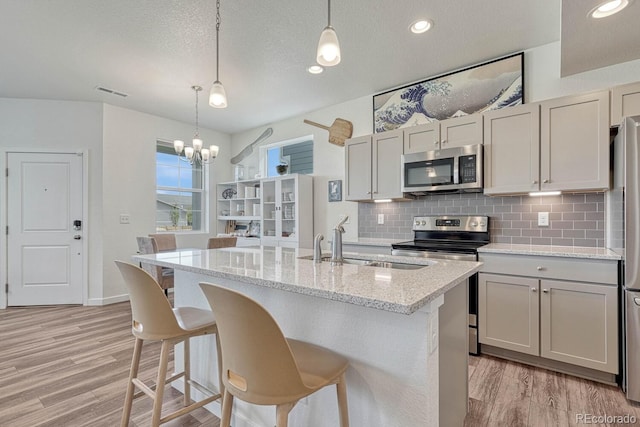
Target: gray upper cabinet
{"x":512,"y":150}
{"x":574,"y":142}
{"x":559,"y":144}
{"x":373,"y":166}
{"x":625,"y":101}
{"x":455,"y":132}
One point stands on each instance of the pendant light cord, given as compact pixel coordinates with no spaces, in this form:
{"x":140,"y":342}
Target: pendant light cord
{"x":329,"y":13}
{"x":217,"y":40}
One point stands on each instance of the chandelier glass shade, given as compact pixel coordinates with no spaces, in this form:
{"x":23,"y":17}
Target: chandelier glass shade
{"x":196,"y":155}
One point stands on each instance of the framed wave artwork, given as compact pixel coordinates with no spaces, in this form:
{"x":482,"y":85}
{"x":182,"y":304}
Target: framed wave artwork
{"x":476,"y":89}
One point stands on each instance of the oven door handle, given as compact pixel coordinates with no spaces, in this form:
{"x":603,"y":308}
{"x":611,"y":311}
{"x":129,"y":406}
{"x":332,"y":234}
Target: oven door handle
{"x":435,"y":255}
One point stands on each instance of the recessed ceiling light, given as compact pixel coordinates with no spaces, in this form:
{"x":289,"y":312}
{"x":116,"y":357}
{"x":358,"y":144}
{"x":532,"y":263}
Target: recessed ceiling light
{"x":608,"y":8}
{"x":420,"y":26}
{"x":315,"y":69}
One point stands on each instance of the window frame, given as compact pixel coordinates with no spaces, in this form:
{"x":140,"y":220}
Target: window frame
{"x":264,"y":166}
{"x":204,"y":192}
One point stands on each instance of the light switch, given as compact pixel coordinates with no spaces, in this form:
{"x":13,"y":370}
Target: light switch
{"x":543,"y":219}
{"x":380,"y":218}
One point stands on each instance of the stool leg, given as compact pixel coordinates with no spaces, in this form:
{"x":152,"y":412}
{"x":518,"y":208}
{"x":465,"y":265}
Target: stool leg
{"x":227,"y":405}
{"x":342,"y":401}
{"x":162,"y":376}
{"x":133,"y":373}
{"x":282,"y":414}
{"x":187,"y":373}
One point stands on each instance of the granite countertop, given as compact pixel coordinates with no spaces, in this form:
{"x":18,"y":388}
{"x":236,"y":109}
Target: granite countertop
{"x":394,"y":290}
{"x":546,"y":250}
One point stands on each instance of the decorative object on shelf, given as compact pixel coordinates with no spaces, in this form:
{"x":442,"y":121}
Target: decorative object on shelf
{"x":477,"y":89}
{"x":229,"y":193}
{"x":238,"y":172}
{"x":282,"y":168}
{"x":335,"y":190}
{"x":249,"y":148}
{"x":217,"y":94}
{"x":328,"y":53}
{"x":196,"y":155}
{"x":339,"y":131}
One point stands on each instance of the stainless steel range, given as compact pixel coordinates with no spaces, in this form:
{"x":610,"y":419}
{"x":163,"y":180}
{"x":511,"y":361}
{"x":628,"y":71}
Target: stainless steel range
{"x":455,"y":238}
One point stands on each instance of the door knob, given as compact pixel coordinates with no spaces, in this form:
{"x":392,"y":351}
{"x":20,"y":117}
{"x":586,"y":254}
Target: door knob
{"x":534,"y":290}
{"x":546,"y":291}
{"x":77,"y":237}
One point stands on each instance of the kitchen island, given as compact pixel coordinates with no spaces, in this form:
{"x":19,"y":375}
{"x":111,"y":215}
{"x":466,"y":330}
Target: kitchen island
{"x":403,"y":330}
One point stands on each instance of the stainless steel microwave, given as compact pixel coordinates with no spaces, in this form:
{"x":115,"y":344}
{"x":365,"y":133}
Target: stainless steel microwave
{"x":449,"y":169}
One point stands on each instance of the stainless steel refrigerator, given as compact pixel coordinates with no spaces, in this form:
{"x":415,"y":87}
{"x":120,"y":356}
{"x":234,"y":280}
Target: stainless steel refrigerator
{"x":623,"y":236}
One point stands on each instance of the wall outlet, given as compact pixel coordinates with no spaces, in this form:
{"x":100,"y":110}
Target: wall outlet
{"x":125,"y":219}
{"x":380,"y":218}
{"x":543,"y":219}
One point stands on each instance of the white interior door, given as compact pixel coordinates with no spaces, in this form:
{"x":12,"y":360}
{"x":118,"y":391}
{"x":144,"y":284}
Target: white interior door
{"x":45,"y":258}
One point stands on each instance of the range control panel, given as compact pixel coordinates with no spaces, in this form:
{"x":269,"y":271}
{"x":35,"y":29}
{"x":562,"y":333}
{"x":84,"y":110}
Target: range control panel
{"x":451,"y":223}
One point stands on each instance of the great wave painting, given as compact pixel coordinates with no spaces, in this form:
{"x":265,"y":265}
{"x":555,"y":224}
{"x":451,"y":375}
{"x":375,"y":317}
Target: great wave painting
{"x":484,"y":87}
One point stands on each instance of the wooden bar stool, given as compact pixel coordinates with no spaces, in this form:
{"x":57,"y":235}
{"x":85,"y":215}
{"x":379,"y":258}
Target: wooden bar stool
{"x":261,"y":366}
{"x":221,"y":242}
{"x":154,"y":319}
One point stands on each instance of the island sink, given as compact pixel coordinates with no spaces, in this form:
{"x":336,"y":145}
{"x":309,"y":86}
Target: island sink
{"x":373,"y":263}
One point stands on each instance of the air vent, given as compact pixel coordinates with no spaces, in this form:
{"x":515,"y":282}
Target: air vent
{"x":111,"y":91}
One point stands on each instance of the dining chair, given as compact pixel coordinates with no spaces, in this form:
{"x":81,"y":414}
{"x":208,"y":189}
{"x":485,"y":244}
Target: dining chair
{"x":153,"y":319}
{"x":221,"y":242}
{"x":162,"y":275}
{"x":261,"y":366}
{"x":165,"y":241}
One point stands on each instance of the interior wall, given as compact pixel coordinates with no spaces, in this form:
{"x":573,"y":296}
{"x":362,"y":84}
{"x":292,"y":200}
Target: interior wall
{"x":129,"y":184}
{"x":33,"y":125}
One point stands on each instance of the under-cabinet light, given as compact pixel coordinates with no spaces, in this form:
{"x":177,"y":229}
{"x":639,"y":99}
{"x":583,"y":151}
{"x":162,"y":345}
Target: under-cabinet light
{"x":382,"y":201}
{"x":544,"y":193}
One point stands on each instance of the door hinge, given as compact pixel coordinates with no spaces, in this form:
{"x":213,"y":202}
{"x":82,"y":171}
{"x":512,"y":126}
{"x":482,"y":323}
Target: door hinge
{"x":6,"y":288}
{"x":6,"y":172}
{"x":7,"y":230}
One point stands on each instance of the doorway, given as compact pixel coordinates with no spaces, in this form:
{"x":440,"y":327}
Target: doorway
{"x":45,"y":249}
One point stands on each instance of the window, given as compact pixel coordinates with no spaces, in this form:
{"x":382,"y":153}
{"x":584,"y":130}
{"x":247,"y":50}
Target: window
{"x":297,"y":153}
{"x":180,"y":192}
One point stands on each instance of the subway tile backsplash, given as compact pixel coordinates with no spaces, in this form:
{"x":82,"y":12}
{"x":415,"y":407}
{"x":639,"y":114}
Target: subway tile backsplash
{"x":575,"y":219}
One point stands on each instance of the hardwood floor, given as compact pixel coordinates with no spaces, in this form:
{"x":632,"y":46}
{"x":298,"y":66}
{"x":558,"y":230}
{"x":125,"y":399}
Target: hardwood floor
{"x":68,"y":366}
{"x":505,"y":393}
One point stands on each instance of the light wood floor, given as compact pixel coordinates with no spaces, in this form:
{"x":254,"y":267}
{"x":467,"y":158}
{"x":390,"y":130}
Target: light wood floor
{"x":68,"y":366}
{"x":504,"y":393}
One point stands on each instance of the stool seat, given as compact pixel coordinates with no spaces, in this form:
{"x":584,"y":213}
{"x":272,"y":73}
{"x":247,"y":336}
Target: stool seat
{"x":152,"y":318}
{"x":191,"y":318}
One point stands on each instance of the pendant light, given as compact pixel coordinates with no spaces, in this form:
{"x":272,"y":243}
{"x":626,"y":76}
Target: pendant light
{"x":328,"y":46}
{"x":196,"y":155}
{"x":217,"y":95}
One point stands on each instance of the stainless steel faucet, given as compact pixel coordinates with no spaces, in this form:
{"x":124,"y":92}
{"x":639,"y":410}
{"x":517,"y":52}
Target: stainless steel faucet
{"x":317,"y":249}
{"x":336,"y":243}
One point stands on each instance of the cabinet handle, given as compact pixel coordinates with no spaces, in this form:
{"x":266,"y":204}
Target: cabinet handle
{"x":368,"y":192}
{"x":546,"y":291}
{"x":539,"y":268}
{"x":534,"y":290}
{"x":534,"y":182}
{"x":546,"y":181}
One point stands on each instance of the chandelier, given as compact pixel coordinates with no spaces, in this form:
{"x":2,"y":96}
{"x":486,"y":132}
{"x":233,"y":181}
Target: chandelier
{"x":195,"y":155}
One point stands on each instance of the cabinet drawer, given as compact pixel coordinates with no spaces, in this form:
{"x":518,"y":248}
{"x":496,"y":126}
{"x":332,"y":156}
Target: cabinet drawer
{"x":576,"y":269}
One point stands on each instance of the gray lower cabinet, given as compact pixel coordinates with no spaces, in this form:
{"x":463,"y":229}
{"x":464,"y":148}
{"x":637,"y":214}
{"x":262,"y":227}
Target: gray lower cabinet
{"x":566,"y":318}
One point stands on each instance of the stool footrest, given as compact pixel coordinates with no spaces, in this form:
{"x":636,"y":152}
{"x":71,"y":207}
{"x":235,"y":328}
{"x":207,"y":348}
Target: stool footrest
{"x":190,"y":408}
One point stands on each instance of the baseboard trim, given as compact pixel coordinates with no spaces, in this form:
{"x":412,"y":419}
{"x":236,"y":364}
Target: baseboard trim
{"x":108,"y":300}
{"x":553,"y":365}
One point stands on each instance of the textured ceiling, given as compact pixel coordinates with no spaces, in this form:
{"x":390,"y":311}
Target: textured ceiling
{"x":155,"y":50}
